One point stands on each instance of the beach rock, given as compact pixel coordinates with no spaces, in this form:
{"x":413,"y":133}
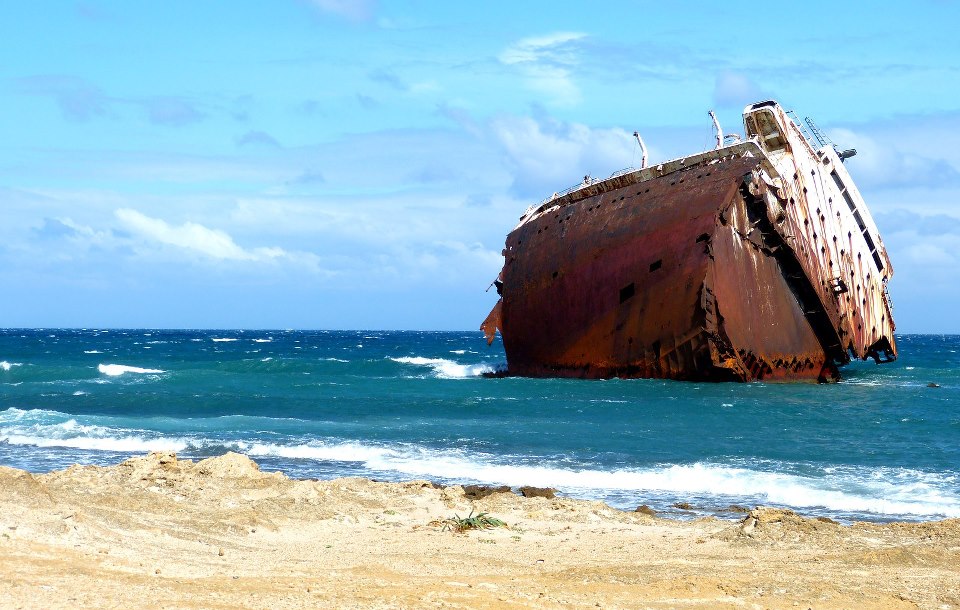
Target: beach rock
{"x":229,"y":465}
{"x":765,"y":515}
{"x":780,"y":524}
{"x":646,"y":510}
{"x":151,"y":466}
{"x":23,"y":488}
{"x":683,"y":506}
{"x":427,"y":484}
{"x":538,"y":492}
{"x":476,"y":492}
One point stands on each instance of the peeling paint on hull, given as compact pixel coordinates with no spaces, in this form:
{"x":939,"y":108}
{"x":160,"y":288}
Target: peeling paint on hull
{"x":695,"y":271}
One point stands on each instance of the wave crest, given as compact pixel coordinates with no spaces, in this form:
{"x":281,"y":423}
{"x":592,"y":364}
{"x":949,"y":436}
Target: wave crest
{"x":448,"y":369}
{"x":115,"y":370}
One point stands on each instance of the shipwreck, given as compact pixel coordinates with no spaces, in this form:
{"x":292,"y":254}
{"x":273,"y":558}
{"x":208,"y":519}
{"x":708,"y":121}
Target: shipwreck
{"x":757,"y":260}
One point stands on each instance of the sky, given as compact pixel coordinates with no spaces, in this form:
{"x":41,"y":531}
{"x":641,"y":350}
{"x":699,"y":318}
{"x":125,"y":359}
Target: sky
{"x":353,"y":164}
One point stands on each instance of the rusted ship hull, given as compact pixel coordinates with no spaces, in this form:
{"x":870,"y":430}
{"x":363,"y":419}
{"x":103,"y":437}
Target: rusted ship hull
{"x":698,"y":272}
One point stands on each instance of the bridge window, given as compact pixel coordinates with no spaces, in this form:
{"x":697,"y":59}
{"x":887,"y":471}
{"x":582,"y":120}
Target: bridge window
{"x":763,"y":124}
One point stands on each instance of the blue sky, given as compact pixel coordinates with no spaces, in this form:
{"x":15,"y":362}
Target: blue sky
{"x":355,"y":164}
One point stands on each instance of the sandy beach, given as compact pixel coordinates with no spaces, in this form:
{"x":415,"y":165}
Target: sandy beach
{"x":158,"y":532}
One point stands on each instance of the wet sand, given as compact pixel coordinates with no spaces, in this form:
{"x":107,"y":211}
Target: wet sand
{"x":157,"y":532}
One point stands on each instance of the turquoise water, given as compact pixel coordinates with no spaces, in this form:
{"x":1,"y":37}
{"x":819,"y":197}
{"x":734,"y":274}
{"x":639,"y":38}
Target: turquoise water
{"x":880,"y":445}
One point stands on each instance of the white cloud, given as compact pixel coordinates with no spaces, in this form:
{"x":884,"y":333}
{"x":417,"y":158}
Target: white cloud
{"x":894,"y":162}
{"x":67,"y":227}
{"x":546,"y":62}
{"x":549,"y":156}
{"x":930,"y":253}
{"x":193,"y":237}
{"x":551,"y":47}
{"x":473,"y":254}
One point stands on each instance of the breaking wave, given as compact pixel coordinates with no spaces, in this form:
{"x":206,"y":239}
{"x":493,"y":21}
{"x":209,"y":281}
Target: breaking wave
{"x":843,"y":491}
{"x":41,"y":428}
{"x":115,"y":370}
{"x":448,"y":369}
{"x":879,"y":492}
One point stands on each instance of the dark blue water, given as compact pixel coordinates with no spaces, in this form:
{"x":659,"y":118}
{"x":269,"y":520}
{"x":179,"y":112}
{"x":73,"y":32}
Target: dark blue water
{"x":880,"y":445}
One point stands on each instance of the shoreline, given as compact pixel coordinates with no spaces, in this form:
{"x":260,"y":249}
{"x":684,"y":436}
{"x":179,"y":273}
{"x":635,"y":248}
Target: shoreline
{"x":155,"y":531}
{"x":675,"y":509}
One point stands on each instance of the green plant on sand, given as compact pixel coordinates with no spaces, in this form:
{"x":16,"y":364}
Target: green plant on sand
{"x":481,"y":521}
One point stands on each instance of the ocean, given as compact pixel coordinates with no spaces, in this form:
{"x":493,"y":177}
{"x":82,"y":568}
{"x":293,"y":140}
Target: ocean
{"x":882,"y":445}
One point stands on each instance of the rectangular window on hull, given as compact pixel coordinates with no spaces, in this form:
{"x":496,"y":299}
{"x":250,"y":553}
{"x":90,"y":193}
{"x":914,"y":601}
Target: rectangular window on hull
{"x":858,"y":218}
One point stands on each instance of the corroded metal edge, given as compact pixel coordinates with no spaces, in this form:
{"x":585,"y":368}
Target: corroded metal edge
{"x":760,"y":301}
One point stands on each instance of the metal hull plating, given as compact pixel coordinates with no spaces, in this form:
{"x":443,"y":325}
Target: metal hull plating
{"x":707,"y":268}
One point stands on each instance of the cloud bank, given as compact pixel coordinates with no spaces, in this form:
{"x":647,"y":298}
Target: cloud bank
{"x":547,"y":64}
{"x":193,"y":237}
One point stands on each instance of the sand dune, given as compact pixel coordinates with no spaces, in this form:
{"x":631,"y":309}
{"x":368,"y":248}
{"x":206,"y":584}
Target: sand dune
{"x":158,"y":532}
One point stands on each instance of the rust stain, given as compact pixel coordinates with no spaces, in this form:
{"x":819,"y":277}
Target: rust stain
{"x":753,"y":261}
{"x":492,"y":324}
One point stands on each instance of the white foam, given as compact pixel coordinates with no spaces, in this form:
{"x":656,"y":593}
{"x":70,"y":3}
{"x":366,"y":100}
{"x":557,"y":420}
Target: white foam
{"x":123,"y":444}
{"x":92,"y":351}
{"x":263,"y":340}
{"x":223,"y":339}
{"x":891,"y":492}
{"x":32,"y":427}
{"x":9,"y":365}
{"x":114,"y":370}
{"x":340,"y":452}
{"x":448,"y":369}
{"x":335,"y":360}
{"x":14,"y":414}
